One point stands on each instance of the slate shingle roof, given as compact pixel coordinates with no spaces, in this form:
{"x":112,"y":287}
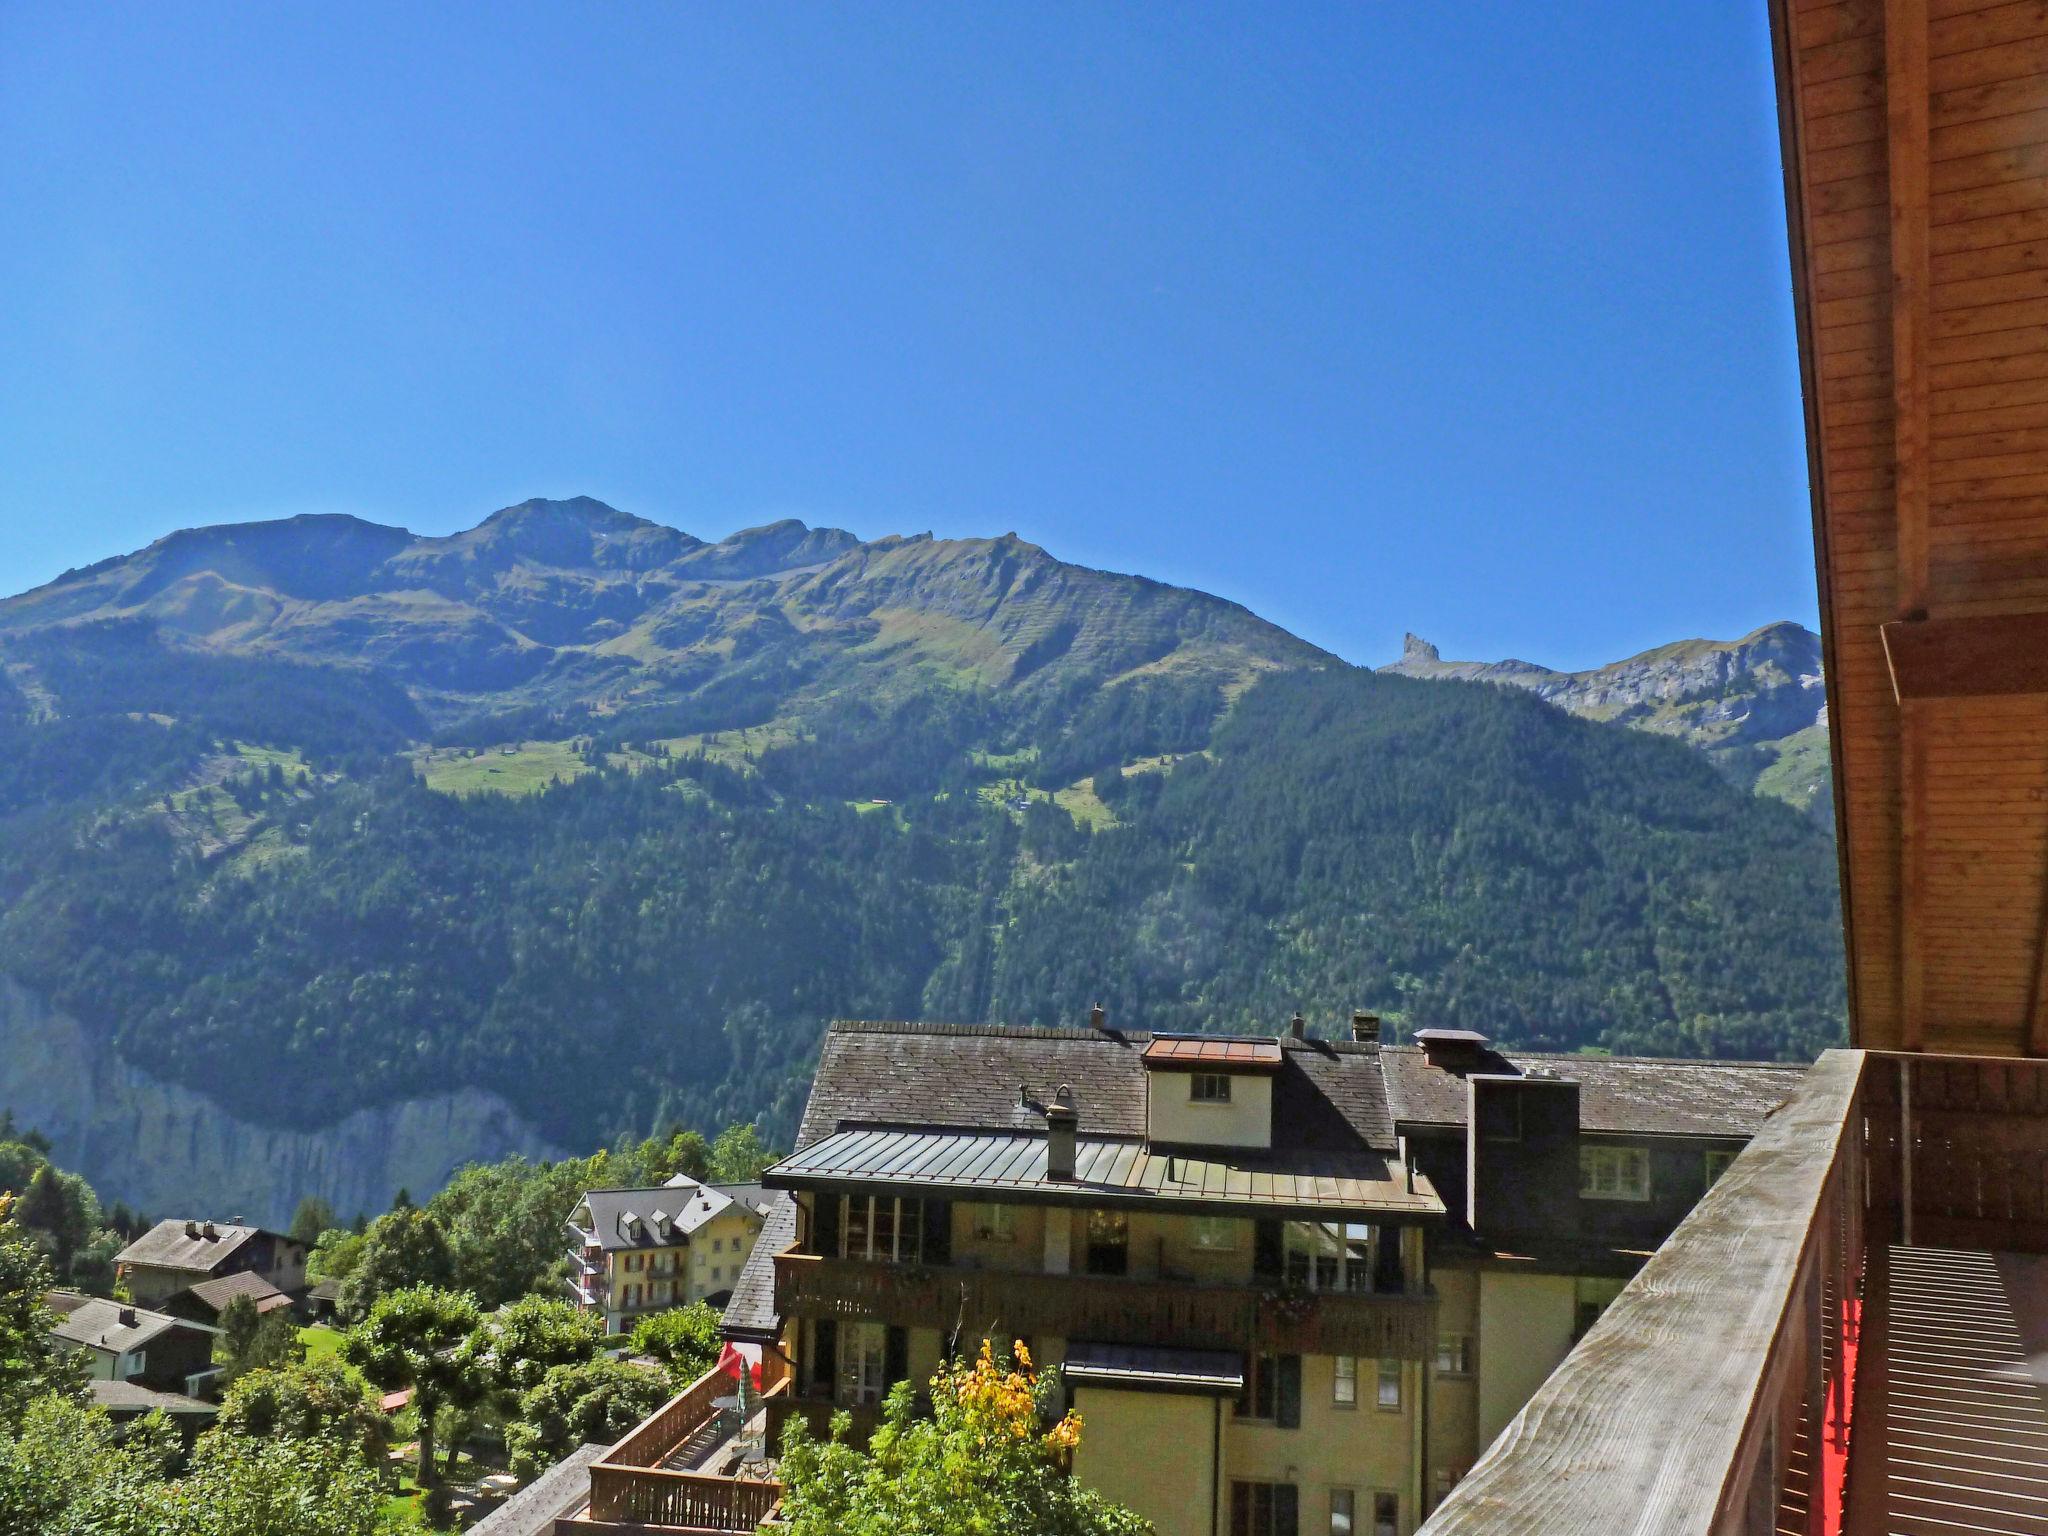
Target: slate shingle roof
{"x":1618,"y":1095}
{"x":166,"y":1245}
{"x":688,"y":1205}
{"x":97,"y":1323}
{"x":215,"y":1294}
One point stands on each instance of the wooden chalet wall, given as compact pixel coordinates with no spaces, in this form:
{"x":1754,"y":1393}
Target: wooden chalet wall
{"x":1916,"y":135}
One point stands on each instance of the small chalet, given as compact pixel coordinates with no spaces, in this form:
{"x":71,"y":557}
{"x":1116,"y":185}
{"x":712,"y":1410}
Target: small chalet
{"x":206,"y":1301}
{"x":174,"y":1256}
{"x":136,"y":1359}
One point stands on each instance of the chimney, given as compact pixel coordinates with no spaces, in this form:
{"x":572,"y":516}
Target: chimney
{"x":210,"y":1232}
{"x":1365,"y":1028}
{"x":127,"y":1317}
{"x":191,"y":1229}
{"x":1097,"y":1019}
{"x":1298,"y":1027}
{"x":1061,"y":1123}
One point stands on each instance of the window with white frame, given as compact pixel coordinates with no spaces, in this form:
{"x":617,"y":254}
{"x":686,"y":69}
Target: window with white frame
{"x":1390,"y":1386}
{"x":885,"y":1228}
{"x":1209,"y":1087}
{"x":1614,"y":1173}
{"x":1454,"y":1354}
{"x":863,"y":1361}
{"x":1344,"y":1382}
{"x":993,"y":1223}
{"x":1218,"y":1234}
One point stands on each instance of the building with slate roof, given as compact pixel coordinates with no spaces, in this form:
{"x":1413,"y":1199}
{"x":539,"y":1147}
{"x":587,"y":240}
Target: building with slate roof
{"x":120,"y":1342}
{"x":636,"y":1251}
{"x":1292,"y":1280}
{"x":175,"y":1255}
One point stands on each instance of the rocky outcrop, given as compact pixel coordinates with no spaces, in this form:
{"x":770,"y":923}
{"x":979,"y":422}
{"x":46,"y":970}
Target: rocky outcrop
{"x":167,"y":1150}
{"x":1748,"y":703}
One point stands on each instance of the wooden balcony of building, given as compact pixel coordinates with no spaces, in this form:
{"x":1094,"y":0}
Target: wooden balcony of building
{"x":1190,"y":1314}
{"x":1849,"y":1334}
{"x":678,"y":1473}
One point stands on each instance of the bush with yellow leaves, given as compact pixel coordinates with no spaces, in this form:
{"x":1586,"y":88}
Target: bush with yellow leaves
{"x":991,"y":1459}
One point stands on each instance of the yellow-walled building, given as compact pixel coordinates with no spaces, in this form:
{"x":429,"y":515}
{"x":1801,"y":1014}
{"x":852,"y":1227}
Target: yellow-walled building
{"x":1292,"y":1285}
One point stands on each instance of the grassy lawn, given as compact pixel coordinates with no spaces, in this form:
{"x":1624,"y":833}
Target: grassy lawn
{"x":522,"y":770}
{"x":321,"y":1343}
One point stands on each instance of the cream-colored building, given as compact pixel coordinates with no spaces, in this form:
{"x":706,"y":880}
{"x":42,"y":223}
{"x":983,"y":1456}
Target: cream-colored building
{"x":636,"y":1251}
{"x":1292,"y":1285}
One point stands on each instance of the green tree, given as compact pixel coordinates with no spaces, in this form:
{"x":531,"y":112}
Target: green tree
{"x":413,"y":1340}
{"x":573,"y":1405}
{"x":64,"y":1472}
{"x":242,"y":1486}
{"x":335,"y":1255}
{"x":686,"y":1340}
{"x":313,"y":1217}
{"x":739,"y":1155}
{"x":517,"y":1346}
{"x":31,"y":1363}
{"x":404,"y":1248}
{"x":252,"y":1341}
{"x":305,"y":1400}
{"x":990,"y":1461}
{"x":684,"y":1152}
{"x":504,"y":1221}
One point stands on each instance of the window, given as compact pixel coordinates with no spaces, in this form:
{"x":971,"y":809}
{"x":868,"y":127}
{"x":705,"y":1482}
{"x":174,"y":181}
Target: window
{"x":1209,"y":1088}
{"x":1217,"y":1234}
{"x":881,"y":1227}
{"x":1614,"y":1173}
{"x":1343,"y":1512}
{"x":1332,"y":1255}
{"x":1386,"y":1514}
{"x":1454,"y":1354}
{"x":1344,"y":1384}
{"x":717,"y":1274}
{"x":1390,"y":1385}
{"x":1109,"y":1243}
{"x":718,"y":1245}
{"x":1717,"y":1164}
{"x":1264,"y":1509}
{"x":1273,"y":1391}
{"x":863,"y":1363}
{"x":993,"y":1223}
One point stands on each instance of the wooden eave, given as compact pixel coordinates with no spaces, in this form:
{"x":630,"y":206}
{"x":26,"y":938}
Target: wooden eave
{"x":1915,"y":138}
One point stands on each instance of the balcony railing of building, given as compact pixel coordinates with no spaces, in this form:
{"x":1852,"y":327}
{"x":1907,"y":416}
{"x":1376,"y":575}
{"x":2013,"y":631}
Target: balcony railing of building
{"x":1780,"y":1365}
{"x":634,"y":1488}
{"x":1130,"y":1311}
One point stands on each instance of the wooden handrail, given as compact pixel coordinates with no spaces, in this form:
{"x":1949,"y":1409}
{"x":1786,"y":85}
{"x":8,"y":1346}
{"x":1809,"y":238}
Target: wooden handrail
{"x":1100,"y":1306}
{"x":649,"y":1496}
{"x":1676,"y":1413}
{"x":655,"y":1438}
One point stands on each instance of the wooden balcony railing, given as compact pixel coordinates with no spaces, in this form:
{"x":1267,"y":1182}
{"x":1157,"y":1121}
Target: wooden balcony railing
{"x":992,"y":1303}
{"x":1679,"y":1410}
{"x":647,"y":1496}
{"x":655,"y":1438}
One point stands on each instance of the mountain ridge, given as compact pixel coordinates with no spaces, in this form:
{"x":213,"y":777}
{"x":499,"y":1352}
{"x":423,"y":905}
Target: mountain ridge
{"x":1756,"y":706}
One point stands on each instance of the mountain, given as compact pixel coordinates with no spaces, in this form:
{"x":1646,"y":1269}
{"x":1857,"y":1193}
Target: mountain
{"x":1756,"y":706}
{"x":333,"y":855}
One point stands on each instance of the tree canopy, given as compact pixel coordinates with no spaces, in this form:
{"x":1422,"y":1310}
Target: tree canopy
{"x":990,"y":1461}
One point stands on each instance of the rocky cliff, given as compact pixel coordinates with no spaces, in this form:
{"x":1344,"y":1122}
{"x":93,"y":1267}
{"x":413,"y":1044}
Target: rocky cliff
{"x":167,"y":1150}
{"x":1757,"y":706}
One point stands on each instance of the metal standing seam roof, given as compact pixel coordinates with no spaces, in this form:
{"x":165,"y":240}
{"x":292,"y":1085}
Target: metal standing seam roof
{"x":1113,"y":1170}
{"x":1157,"y":1368}
{"x":1221,"y":1051}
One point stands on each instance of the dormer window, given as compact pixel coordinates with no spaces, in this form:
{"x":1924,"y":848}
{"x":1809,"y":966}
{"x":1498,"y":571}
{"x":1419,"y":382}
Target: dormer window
{"x":1209,"y":1087}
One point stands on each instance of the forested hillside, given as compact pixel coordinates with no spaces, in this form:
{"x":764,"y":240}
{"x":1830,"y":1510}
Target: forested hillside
{"x":306,"y":880}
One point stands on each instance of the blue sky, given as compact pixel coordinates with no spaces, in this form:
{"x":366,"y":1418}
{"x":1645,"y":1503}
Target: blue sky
{"x":1468,"y":319}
